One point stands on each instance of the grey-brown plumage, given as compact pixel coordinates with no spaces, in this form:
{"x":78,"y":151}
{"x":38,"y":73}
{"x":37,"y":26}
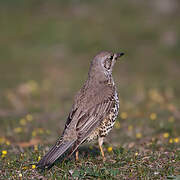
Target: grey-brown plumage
{"x":94,"y":110}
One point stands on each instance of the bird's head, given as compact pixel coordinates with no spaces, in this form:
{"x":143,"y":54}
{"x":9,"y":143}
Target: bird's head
{"x":103,"y":63}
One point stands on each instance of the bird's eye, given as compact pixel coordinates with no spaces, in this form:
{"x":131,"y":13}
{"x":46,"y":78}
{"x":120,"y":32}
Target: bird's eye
{"x":111,"y":57}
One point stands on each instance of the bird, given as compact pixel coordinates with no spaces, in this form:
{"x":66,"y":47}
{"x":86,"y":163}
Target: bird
{"x":94,"y":110}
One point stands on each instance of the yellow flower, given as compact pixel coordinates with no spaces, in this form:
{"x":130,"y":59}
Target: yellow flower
{"x":33,"y":166}
{"x":138,"y":135}
{"x":130,"y":127}
{"x":18,"y":130}
{"x":25,"y":167}
{"x":4,"y":152}
{"x":8,"y":143}
{"x":176,"y":140}
{"x":20,"y":175}
{"x":110,"y":149}
{"x":22,"y":122}
{"x":153,"y":116}
{"x":171,"y":140}
{"x":117,"y":125}
{"x":124,"y":115}
{"x":166,"y":135}
{"x":40,"y":130}
{"x":136,"y":153}
{"x":35,"y":147}
{"x":171,"y":119}
{"x":34,"y":133}
{"x":29,"y":117}
{"x":39,"y":158}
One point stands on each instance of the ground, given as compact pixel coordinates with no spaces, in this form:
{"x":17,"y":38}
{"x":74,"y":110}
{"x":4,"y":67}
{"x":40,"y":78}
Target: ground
{"x":46,"y":48}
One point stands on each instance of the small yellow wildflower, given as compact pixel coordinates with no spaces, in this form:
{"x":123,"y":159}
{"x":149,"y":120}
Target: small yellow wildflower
{"x":124,"y":115}
{"x":8,"y":143}
{"x":130,"y":127}
{"x":136,"y":153}
{"x":29,"y":117}
{"x":153,"y":116}
{"x":34,"y":133}
{"x":4,"y":152}
{"x":166,"y":135}
{"x":33,"y":166}
{"x":170,"y":140}
{"x":117,"y":125}
{"x":22,"y":122}
{"x":176,"y":140}
{"x":171,"y":119}
{"x":18,"y":130}
{"x":110,"y":149}
{"x":20,"y":175}
{"x":138,"y":135}
{"x":35,"y":147}
{"x":40,"y":131}
{"x":39,"y":158}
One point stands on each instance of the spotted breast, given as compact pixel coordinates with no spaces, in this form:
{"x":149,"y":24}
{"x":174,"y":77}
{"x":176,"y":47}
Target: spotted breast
{"x":108,"y":123}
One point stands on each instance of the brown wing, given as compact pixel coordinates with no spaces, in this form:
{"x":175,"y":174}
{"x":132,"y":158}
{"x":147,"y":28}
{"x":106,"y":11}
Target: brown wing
{"x":89,"y":109}
{"x":93,"y":118}
{"x":88,"y":102}
{"x":90,"y":120}
{"x":83,"y":121}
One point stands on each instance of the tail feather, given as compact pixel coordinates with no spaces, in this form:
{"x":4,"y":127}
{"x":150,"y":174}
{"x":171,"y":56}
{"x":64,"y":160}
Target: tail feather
{"x":53,"y":154}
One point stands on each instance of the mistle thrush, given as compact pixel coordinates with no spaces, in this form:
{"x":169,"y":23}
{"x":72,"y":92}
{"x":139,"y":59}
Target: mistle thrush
{"x":94,"y":111}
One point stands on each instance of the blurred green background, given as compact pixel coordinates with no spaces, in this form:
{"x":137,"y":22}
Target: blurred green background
{"x":46,"y":48}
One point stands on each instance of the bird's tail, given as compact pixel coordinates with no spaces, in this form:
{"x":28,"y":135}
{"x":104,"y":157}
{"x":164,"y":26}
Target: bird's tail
{"x":54,"y":153}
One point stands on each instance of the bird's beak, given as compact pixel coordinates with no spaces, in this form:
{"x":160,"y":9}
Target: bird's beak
{"x":119,"y":55}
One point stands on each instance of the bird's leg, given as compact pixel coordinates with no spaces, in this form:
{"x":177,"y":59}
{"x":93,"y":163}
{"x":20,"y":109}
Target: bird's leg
{"x":100,"y":141}
{"x":77,"y":155}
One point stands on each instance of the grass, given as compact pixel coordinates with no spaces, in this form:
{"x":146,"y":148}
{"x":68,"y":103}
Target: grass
{"x":149,"y":160}
{"x":46,"y":49}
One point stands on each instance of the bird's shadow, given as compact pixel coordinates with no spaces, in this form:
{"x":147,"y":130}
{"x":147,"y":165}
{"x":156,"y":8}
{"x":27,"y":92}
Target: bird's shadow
{"x":86,"y":151}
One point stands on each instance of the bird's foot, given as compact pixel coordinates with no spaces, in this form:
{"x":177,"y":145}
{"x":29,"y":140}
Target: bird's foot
{"x":77,"y":155}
